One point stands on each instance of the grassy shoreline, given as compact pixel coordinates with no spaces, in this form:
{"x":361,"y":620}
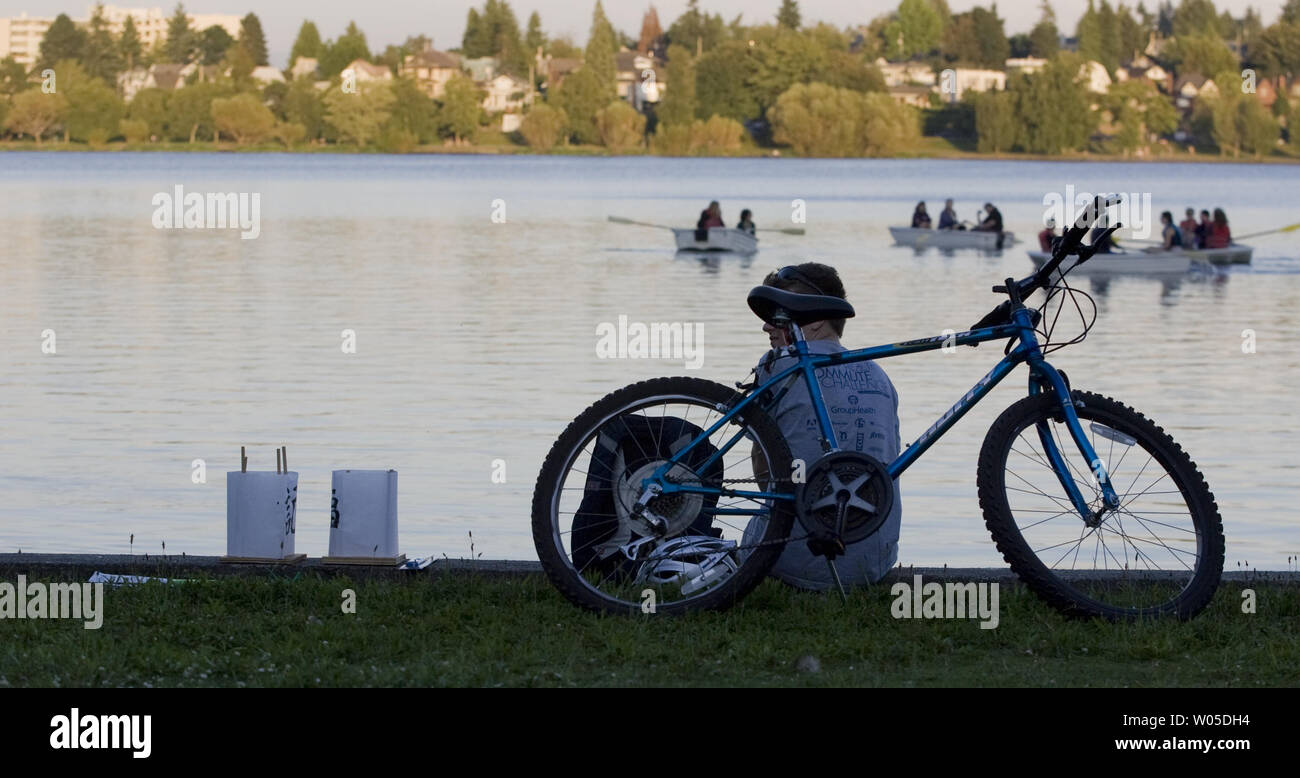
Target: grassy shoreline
{"x":931,"y":148}
{"x":471,"y":630}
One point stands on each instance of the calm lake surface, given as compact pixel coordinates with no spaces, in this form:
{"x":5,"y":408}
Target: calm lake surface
{"x":475,"y":340}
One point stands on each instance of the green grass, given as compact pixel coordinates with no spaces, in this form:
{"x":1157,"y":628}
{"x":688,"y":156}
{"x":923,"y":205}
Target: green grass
{"x":456,"y":630}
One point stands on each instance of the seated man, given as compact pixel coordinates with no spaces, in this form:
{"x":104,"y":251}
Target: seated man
{"x":1048,"y":235}
{"x":992,"y":219}
{"x":863,"y":409}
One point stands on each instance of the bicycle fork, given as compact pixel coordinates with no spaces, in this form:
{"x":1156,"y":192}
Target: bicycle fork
{"x":1045,"y":377}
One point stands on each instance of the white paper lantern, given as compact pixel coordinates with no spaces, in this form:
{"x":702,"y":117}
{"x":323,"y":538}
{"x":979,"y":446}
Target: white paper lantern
{"x":261,"y":514}
{"x":363,"y":514}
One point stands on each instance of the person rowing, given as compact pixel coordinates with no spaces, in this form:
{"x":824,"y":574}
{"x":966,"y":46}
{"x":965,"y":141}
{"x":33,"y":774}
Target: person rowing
{"x":709,"y":217}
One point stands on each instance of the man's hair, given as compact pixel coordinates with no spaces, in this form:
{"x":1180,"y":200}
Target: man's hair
{"x":824,"y":276}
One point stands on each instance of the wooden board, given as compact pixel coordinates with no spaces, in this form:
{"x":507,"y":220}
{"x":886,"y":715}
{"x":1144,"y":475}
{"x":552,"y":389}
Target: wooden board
{"x":292,"y":559}
{"x":387,"y":561}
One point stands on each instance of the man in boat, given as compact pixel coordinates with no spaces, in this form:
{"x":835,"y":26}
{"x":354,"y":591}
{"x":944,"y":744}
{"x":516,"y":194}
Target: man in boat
{"x":992,"y":219}
{"x":1219,"y":236}
{"x":920,"y":217}
{"x":709,"y":217}
{"x":1203,"y":229}
{"x":1188,"y":227}
{"x":948,"y":216}
{"x":746,"y":222}
{"x":1173,"y":237}
{"x":1048,"y":235}
{"x":863,"y":409}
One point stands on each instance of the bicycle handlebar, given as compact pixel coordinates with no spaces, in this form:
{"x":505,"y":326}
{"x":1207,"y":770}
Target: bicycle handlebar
{"x":1064,"y":246}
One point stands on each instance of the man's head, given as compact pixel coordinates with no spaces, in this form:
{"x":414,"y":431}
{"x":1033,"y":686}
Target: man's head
{"x":988,"y":207}
{"x":1166,"y":218}
{"x":1191,"y":214}
{"x":808,"y":278}
{"x":1205,"y":216}
{"x":947,"y":203}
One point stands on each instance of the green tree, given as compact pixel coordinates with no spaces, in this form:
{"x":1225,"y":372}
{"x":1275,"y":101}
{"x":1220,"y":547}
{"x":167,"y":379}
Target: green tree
{"x":1257,"y":129}
{"x":620,"y":126}
{"x":307,"y":44}
{"x":1044,"y":39}
{"x":543,"y":126}
{"x":413,"y":112}
{"x":718,"y":135}
{"x":995,"y":121}
{"x":244,"y":118}
{"x":788,"y":16}
{"x":1138,"y":112}
{"x":819,"y":120}
{"x":1053,"y":108}
{"x":678,"y":104}
{"x":94,"y":109}
{"x":915,"y":32}
{"x":150,"y":107}
{"x":976,"y":38}
{"x":851,"y":71}
{"x":213,"y":44}
{"x":1197,"y":17}
{"x":1201,"y":54}
{"x":182,"y":43}
{"x":477,"y":39}
{"x":134,"y":131}
{"x":13,"y":76}
{"x":100,"y":55}
{"x":720,"y":85}
{"x":359,"y":116}
{"x":782,"y":59}
{"x":303,"y":105}
{"x":34,"y":113}
{"x":129,"y":46}
{"x":696,"y":30}
{"x":190,"y":109}
{"x":580,"y":96}
{"x":535,"y":38}
{"x":600,"y":51}
{"x":253,"y":39}
{"x":62,"y":41}
{"x":462,"y":108}
{"x":349,"y":46}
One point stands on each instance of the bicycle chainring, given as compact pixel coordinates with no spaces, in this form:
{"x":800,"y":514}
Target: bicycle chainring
{"x":846,"y":497}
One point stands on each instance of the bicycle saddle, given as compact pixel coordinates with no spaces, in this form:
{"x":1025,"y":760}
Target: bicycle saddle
{"x":802,"y":309}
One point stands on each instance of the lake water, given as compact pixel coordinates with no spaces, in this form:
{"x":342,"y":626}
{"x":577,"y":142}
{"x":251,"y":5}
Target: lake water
{"x":475,"y":339}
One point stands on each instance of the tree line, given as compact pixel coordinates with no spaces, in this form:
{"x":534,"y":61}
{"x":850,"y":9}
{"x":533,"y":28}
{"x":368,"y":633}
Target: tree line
{"x":811,"y":87}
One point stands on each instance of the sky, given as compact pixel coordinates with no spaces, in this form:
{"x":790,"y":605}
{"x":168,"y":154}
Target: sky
{"x":391,"y":21}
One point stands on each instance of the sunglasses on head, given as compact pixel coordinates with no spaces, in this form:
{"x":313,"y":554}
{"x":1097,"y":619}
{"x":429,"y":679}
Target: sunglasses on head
{"x":791,"y":273}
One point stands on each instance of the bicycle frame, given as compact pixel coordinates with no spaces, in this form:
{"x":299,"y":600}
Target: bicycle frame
{"x":1043,"y":378}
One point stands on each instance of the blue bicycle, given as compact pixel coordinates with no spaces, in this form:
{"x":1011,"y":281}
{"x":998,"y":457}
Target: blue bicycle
{"x":682,"y":492}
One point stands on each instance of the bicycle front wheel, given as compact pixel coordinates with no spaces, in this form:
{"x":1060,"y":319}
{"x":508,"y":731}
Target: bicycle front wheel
{"x":1160,"y":553}
{"x":708,"y":549}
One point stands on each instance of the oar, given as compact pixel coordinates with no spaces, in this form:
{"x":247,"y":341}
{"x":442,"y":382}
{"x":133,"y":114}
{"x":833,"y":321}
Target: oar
{"x":624,"y":220}
{"x":1288,"y":228}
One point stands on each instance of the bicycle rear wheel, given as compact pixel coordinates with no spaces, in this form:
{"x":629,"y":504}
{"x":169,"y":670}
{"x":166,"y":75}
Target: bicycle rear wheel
{"x":1160,"y":553}
{"x":714,"y":549}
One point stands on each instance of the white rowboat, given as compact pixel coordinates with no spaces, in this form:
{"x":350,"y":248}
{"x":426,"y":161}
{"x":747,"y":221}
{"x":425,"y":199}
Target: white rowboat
{"x":1122,"y":264}
{"x":950,"y":239}
{"x":720,"y":239}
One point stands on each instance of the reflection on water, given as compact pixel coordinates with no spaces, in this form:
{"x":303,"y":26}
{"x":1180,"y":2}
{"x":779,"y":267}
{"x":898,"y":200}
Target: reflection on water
{"x":476,"y":340}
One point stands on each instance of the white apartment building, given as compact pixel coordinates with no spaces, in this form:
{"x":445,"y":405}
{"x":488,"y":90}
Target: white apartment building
{"x":21,"y":36}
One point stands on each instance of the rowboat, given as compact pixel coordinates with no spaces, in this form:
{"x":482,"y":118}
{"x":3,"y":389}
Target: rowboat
{"x":1139,"y":263}
{"x":720,"y":239}
{"x":951,"y":239}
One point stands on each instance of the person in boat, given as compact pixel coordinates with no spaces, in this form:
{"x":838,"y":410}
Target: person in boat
{"x":1203,"y":230}
{"x":1173,"y":237}
{"x":1188,"y":227}
{"x":1219,"y":236}
{"x":746,"y":222}
{"x":1047,"y":236}
{"x":920,"y":218}
{"x":709,"y":217}
{"x":992,"y":219}
{"x":863,"y":408}
{"x":948,"y":216}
